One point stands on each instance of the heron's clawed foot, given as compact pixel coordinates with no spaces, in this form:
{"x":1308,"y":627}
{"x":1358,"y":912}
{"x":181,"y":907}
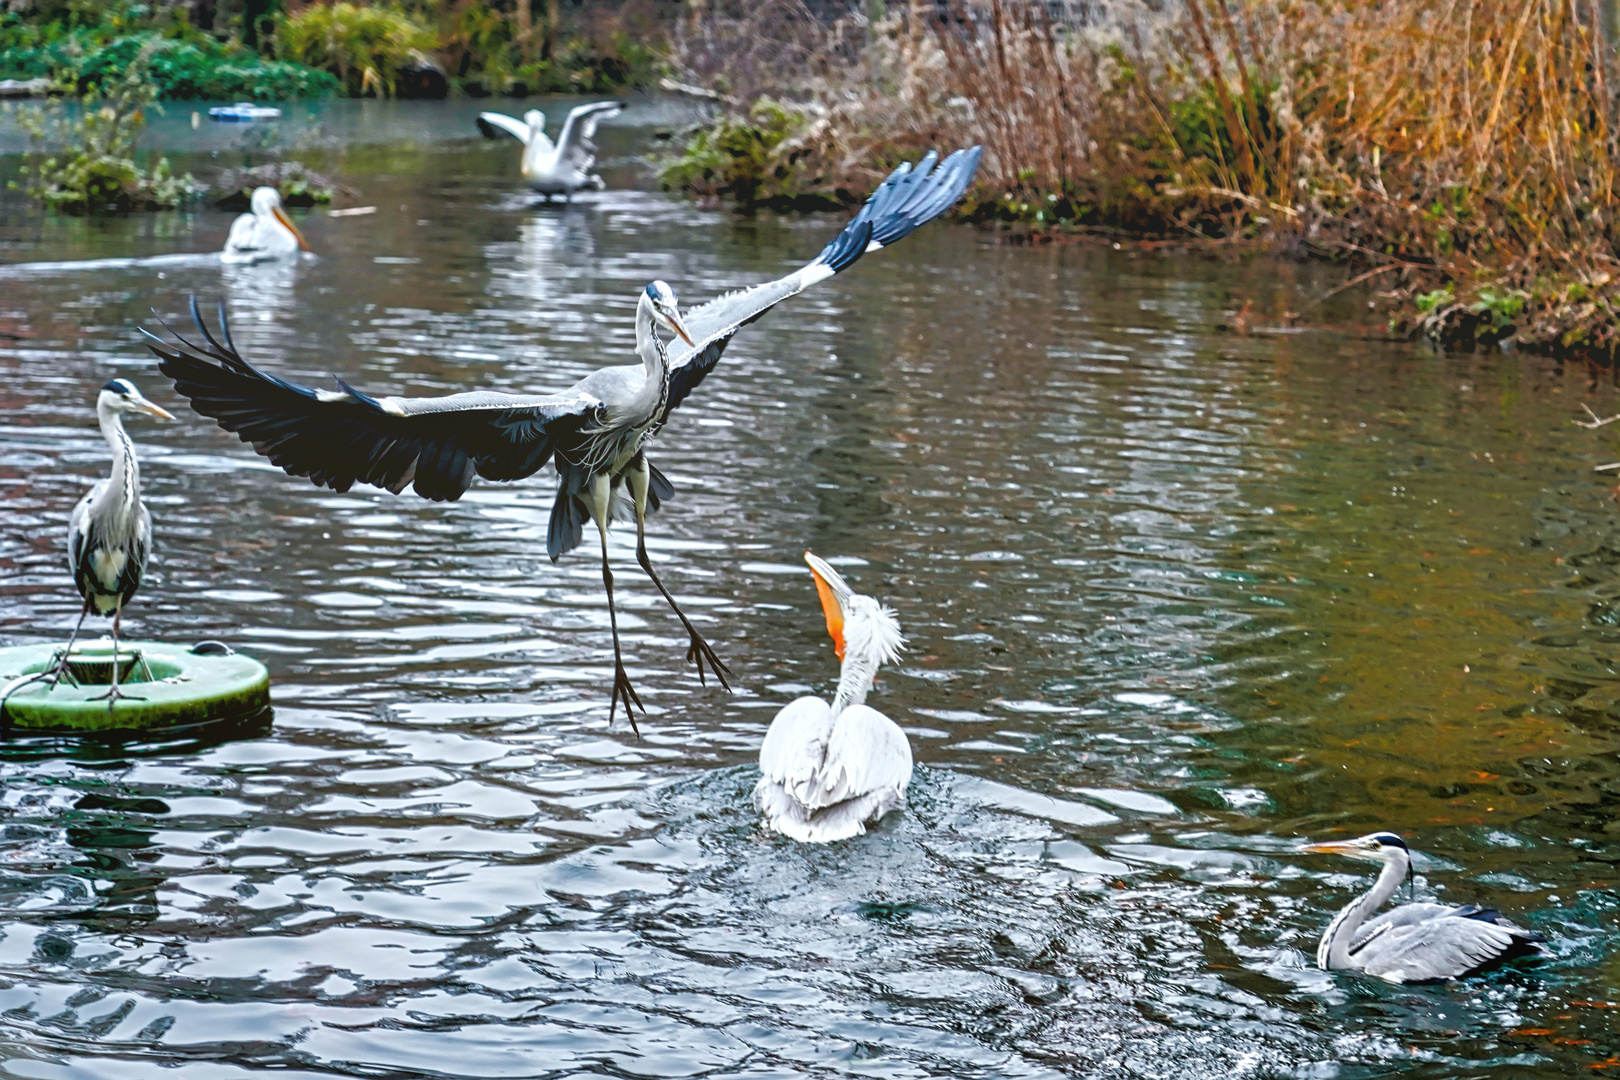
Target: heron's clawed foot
{"x":623,"y":690}
{"x":699,"y":653}
{"x":60,"y":670}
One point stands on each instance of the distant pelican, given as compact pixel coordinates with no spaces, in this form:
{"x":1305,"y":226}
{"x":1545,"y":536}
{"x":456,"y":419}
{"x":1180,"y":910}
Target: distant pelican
{"x":1414,"y":942}
{"x":264,"y":233}
{"x":110,"y":531}
{"x":555,"y":170}
{"x":829,"y":769}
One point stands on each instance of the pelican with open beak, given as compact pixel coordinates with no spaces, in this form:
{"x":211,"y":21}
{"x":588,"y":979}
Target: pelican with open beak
{"x":266,"y":232}
{"x":827,"y":770}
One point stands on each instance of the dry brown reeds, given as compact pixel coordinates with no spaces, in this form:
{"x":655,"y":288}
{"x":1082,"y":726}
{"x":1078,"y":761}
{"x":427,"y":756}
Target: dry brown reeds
{"x":1463,"y":150}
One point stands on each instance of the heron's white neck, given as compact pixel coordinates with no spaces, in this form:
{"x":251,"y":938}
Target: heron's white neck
{"x":648,"y":345}
{"x":123,"y":491}
{"x":1334,"y":951}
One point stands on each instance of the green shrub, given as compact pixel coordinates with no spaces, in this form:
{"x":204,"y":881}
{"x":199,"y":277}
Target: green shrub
{"x":365,"y":47}
{"x":184,"y":63}
{"x":94,"y":171}
{"x":751,"y":159}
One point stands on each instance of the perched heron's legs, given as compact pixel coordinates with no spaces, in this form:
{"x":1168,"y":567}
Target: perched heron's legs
{"x":601,"y":492}
{"x":62,"y":664}
{"x":114,"y":695}
{"x":698,"y":651}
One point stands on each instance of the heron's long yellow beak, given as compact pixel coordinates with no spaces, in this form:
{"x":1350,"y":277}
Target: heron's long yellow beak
{"x":680,"y":328}
{"x":829,"y":605}
{"x":155,"y":410}
{"x":282,"y":217}
{"x":1334,"y":847}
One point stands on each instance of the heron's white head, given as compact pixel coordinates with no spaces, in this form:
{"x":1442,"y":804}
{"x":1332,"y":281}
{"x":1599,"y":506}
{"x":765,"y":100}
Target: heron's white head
{"x":1378,"y":847}
{"x":660,"y":300}
{"x":267,"y":204}
{"x":860,"y":626}
{"x":535,"y":119}
{"x":120,"y":396}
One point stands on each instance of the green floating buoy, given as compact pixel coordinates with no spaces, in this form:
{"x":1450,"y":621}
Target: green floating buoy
{"x":169,"y":686}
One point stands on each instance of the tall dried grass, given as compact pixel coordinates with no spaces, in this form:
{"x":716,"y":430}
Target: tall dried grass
{"x":1463,"y":150}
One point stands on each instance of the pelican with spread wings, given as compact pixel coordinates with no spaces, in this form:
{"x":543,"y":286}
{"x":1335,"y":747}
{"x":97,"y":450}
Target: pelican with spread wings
{"x":560,"y":169}
{"x":596,"y":431}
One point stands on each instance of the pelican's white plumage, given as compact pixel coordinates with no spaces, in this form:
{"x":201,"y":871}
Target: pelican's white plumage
{"x":264,"y":232}
{"x":827,"y":770}
{"x":559,"y":169}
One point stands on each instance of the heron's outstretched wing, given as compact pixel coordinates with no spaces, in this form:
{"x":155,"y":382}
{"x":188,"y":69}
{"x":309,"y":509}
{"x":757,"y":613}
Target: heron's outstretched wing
{"x":1461,"y":942}
{"x":493,"y":125}
{"x":341,"y":437}
{"x":575,"y":150}
{"x":910,"y":197}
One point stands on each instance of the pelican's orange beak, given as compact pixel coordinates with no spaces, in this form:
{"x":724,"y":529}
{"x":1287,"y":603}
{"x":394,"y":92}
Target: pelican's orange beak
{"x":829,"y":604}
{"x":282,"y":217}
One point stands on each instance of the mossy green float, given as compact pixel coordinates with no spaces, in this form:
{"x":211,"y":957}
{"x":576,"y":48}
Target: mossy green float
{"x":176,"y":687}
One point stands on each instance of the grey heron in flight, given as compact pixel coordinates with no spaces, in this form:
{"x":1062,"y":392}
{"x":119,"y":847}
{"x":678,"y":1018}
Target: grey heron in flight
{"x":1413,"y":942}
{"x":110,"y":531}
{"x":596,"y":430}
{"x":561,"y":169}
{"x":826,"y":770}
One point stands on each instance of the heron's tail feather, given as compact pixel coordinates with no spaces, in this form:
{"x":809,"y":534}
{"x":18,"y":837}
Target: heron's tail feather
{"x":658,"y":488}
{"x":567,"y":526}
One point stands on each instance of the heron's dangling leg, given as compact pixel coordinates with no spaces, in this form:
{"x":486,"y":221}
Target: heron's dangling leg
{"x":62,"y":664}
{"x":113,"y":695}
{"x":698,"y":651}
{"x":601,"y":500}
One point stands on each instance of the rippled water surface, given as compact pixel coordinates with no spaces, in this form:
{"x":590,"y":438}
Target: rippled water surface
{"x":1175,"y":597}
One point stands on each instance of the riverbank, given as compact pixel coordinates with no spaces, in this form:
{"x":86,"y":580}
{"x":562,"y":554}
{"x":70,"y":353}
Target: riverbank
{"x":431,"y":48}
{"x":1461,"y":157}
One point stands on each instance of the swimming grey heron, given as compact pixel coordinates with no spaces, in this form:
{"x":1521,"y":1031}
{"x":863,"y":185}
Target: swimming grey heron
{"x":264,"y":232}
{"x":829,"y":769}
{"x":596,"y":430}
{"x":1414,"y":942}
{"x":561,"y":169}
{"x":110,"y":531}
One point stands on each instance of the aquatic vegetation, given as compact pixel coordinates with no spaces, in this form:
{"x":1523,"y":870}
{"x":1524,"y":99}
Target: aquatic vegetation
{"x":366,"y":47}
{"x":184,"y":62}
{"x":298,"y":184}
{"x":758,"y":160}
{"x":87,"y":164}
{"x":1434,"y":146}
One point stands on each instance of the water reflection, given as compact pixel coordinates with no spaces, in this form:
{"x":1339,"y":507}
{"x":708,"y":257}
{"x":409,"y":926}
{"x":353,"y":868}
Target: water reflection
{"x":1175,"y":599}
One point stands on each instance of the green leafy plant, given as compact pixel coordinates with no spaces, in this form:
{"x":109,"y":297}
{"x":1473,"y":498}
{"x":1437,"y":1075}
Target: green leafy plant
{"x":97,"y":43}
{"x":91,"y":165}
{"x":753,"y":159}
{"x":365,"y":47}
{"x":298,"y":183}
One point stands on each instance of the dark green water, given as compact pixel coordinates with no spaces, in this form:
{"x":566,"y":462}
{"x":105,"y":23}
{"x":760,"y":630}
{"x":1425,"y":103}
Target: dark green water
{"x":1176,"y":599}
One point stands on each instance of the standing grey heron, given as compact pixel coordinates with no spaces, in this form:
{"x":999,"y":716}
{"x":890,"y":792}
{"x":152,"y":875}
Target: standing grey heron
{"x":826,"y":770}
{"x":561,"y":169}
{"x":596,"y":430}
{"x":110,"y":531}
{"x":1414,"y":942}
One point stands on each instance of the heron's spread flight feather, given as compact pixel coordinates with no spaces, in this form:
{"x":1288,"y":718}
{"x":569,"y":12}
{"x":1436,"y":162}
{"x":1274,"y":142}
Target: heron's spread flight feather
{"x":909,"y":198}
{"x":338,"y":440}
